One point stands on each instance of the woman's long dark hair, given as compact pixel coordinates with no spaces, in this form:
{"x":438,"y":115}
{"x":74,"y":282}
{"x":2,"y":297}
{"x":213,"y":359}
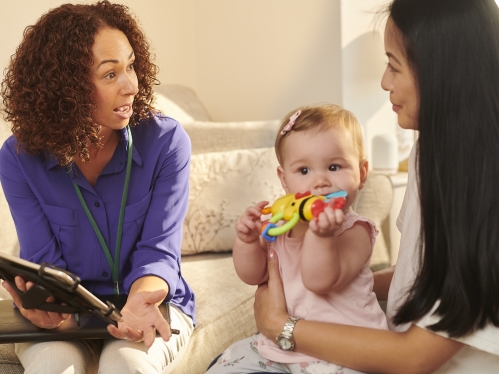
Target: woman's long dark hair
{"x":453,"y":46}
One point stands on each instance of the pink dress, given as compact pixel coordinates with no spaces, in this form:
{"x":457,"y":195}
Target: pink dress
{"x":355,"y":304}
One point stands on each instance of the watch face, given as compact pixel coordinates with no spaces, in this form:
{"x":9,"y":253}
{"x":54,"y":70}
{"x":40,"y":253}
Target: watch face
{"x":284,"y":343}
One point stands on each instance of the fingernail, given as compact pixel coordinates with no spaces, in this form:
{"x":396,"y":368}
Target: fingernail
{"x":271,"y":254}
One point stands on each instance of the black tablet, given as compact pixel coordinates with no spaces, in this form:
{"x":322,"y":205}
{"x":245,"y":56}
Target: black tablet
{"x":70,"y":296}
{"x":91,"y":313}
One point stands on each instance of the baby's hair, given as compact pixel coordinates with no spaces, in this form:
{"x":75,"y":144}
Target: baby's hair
{"x":321,"y":117}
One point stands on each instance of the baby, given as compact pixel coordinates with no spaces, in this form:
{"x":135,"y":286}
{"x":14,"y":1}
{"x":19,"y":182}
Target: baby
{"x":324,"y":263}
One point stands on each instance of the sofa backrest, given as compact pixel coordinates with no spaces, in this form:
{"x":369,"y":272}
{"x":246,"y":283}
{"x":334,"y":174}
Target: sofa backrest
{"x":8,"y":236}
{"x":186,"y":99}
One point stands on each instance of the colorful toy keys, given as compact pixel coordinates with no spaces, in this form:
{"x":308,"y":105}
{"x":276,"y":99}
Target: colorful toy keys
{"x":295,"y":207}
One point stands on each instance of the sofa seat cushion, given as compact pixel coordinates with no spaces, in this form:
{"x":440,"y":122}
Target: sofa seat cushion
{"x":9,"y":363}
{"x":224,"y":309}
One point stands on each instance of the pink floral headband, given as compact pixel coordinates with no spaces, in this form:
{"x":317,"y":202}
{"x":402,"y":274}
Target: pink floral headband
{"x":291,"y":123}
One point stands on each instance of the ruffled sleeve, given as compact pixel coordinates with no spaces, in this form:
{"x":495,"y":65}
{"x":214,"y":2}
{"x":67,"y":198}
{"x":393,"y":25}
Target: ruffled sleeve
{"x":351,"y":218}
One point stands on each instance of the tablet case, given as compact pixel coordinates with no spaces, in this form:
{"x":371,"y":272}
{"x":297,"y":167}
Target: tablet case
{"x":14,"y":328}
{"x":90,"y":316}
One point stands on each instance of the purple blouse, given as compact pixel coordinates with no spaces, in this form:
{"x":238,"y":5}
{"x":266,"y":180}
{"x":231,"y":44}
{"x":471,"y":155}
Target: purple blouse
{"x":52,"y":226}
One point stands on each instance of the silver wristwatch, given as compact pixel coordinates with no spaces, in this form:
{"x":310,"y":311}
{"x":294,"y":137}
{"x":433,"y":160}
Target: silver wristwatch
{"x":285,"y":339}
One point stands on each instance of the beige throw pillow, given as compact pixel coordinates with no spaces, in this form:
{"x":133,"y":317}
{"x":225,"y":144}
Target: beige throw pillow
{"x":222,"y":186}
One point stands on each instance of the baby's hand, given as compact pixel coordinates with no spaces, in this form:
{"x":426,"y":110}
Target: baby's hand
{"x":248,"y":225}
{"x":327,"y":222}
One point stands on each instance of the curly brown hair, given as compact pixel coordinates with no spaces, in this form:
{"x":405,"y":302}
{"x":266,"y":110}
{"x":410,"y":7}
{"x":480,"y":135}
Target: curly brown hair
{"x":47,"y":92}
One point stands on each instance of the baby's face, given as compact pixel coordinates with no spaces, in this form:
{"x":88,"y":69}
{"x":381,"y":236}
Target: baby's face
{"x":322,"y":162}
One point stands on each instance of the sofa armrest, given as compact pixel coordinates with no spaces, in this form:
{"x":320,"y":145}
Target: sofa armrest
{"x":186,"y":99}
{"x":8,"y":236}
{"x":374,"y":201}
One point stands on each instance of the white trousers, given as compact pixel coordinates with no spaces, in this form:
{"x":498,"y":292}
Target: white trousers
{"x":107,"y":356}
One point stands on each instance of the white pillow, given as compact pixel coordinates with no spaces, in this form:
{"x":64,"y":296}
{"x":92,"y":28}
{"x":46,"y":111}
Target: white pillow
{"x":169,"y":108}
{"x":222,"y":186}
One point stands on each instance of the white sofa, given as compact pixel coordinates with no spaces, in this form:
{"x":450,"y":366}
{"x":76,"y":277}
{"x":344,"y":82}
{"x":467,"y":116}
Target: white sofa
{"x":232,"y":165}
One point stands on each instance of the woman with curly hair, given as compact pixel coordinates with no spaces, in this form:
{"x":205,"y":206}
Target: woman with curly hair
{"x":97,"y":183}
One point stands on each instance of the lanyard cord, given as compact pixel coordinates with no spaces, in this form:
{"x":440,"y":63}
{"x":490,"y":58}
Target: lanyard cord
{"x":114,"y":265}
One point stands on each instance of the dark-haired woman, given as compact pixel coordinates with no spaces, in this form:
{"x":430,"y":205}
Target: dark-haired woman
{"x":443,"y":295}
{"x":97,"y":183}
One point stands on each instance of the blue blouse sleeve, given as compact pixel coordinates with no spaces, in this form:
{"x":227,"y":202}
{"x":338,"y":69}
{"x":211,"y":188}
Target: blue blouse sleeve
{"x":36,"y":238}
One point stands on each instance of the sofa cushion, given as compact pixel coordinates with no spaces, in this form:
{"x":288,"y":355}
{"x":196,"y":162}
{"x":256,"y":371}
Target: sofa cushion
{"x":226,"y":136}
{"x":375,"y":201}
{"x":9,"y":363}
{"x":186,"y":99}
{"x":169,"y":108}
{"x":8,"y":235}
{"x":8,"y":243}
{"x":224,"y":309}
{"x":222,"y":186}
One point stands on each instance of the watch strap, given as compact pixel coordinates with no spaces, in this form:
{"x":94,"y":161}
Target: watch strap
{"x":287,"y":332}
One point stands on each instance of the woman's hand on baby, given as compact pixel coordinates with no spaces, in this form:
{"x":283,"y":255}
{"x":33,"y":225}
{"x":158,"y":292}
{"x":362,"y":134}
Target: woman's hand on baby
{"x":40,"y":318}
{"x":327,"y":222}
{"x":142,"y":318}
{"x":249,"y":224}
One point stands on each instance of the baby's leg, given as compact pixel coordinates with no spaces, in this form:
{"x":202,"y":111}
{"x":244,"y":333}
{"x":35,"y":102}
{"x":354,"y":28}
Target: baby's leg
{"x":242,"y":357}
{"x":320,"y":367}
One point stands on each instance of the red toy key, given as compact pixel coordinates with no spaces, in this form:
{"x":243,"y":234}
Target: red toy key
{"x":338,"y":203}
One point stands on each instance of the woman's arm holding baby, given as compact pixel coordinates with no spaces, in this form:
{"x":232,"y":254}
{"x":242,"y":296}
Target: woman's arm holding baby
{"x":249,"y":251}
{"x":414,"y":351}
{"x":330,"y":262}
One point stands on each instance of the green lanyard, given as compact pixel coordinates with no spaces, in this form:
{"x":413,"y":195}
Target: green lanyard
{"x":114,"y":265}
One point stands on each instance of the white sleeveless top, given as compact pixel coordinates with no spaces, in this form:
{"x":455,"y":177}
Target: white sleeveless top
{"x":481,"y":353}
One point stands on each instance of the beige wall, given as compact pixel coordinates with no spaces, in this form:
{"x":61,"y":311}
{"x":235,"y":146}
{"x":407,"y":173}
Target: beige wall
{"x":169,"y":24}
{"x":254,"y":59}
{"x":260,"y":59}
{"x":364,"y":61}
